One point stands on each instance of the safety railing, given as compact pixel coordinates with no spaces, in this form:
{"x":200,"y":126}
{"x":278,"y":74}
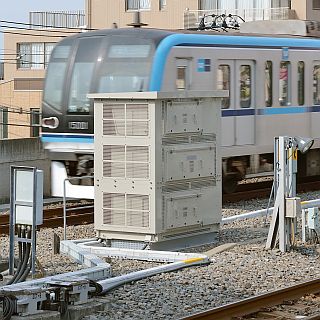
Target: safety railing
{"x":57,"y":19}
{"x":65,"y":209}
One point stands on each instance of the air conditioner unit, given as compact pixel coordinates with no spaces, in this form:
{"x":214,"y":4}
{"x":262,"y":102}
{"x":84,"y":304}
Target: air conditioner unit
{"x":157,"y":168}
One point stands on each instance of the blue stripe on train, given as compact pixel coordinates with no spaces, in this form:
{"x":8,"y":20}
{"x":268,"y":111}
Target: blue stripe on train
{"x":224,"y":113}
{"x":66,"y":138}
{"x":171,"y":41}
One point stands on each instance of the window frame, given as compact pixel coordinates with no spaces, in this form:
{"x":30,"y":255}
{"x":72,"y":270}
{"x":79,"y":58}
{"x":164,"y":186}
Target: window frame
{"x":137,"y":8}
{"x":268,"y":66}
{"x":289,"y":83}
{"x":34,"y":122}
{"x":302,"y":80}
{"x":31,"y":62}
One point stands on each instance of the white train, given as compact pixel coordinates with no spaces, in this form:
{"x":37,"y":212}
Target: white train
{"x":273,"y":83}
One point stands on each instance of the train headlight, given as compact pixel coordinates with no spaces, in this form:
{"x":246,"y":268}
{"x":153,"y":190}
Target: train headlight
{"x":303,"y":144}
{"x":52,"y":122}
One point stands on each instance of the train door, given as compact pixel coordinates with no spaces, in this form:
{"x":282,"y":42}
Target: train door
{"x":238,"y":124}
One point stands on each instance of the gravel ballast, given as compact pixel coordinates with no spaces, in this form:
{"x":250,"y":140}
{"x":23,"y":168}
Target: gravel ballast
{"x":240,"y":272}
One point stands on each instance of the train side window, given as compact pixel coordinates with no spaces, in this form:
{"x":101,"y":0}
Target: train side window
{"x":245,"y":86}
{"x":223,"y":83}
{"x":284,"y":85}
{"x":316,"y":85}
{"x":181,"y":77}
{"x":301,"y":83}
{"x":268,"y":83}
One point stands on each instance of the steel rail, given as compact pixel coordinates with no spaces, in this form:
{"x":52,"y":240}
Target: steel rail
{"x":53,"y":217}
{"x":254,"y":304}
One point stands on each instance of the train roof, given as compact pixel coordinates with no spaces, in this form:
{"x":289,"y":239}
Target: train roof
{"x":275,"y":29}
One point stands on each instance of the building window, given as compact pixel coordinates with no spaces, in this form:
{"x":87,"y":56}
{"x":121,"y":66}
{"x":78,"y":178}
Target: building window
{"x":316,"y":4}
{"x":268,"y":83}
{"x":245,"y":86}
{"x":3,"y":123}
{"x":181,"y":78}
{"x":1,"y":71}
{"x":223,"y":83}
{"x":33,"y":55}
{"x":34,"y":122}
{"x":162,"y":4}
{"x":138,"y":4}
{"x":301,"y":83}
{"x":284,"y":85}
{"x":316,"y":85}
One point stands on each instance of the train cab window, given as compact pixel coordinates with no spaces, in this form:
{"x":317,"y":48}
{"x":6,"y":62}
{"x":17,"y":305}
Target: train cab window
{"x":268,"y":83}
{"x":301,"y":83}
{"x":316,"y":85}
{"x":223,"y":83}
{"x":181,"y":77}
{"x":86,"y":57}
{"x":53,"y":92}
{"x":245,"y":86}
{"x":284,"y":85}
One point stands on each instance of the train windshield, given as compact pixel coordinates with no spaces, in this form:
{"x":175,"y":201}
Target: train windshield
{"x":82,"y":74}
{"x":103,"y":64}
{"x":126,"y":67}
{"x":53,"y":91}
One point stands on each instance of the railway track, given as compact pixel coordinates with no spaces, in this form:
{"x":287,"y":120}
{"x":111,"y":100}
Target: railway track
{"x":248,"y":191}
{"x":83,"y":214}
{"x":53,"y":217}
{"x":258,"y":307}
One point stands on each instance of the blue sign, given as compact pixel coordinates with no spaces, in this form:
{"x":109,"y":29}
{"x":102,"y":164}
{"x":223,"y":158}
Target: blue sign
{"x":204,"y":65}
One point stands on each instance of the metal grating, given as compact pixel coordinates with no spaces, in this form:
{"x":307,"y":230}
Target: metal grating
{"x":114,"y":152}
{"x":114,"y":217}
{"x":189,"y":184}
{"x":126,"y":119}
{"x":138,"y":219}
{"x":114,"y":111}
{"x":137,"y":153}
{"x":137,"y":112}
{"x":126,"y":161}
{"x":126,"y":210}
{"x":183,"y":138}
{"x":137,"y":128}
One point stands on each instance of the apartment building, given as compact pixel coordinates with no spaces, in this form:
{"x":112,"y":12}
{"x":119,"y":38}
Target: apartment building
{"x":28,"y":51}
{"x":178,"y":14}
{"x":24,"y":62}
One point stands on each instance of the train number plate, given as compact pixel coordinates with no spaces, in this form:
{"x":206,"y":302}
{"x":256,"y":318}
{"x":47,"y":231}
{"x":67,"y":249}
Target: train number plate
{"x":78,"y":125}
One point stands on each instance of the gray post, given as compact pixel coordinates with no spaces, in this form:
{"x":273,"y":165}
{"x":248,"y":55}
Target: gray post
{"x":64,"y":210}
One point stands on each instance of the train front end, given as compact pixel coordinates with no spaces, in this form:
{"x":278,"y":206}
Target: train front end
{"x":94,"y":62}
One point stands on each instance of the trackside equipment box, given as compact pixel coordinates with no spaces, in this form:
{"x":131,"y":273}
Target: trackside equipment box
{"x":157,"y":168}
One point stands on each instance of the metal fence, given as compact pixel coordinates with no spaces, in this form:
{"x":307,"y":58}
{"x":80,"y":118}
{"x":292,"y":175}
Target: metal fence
{"x":57,"y":19}
{"x":192,"y":18}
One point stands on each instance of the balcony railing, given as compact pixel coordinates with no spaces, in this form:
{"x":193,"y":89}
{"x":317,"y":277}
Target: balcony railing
{"x":57,"y":19}
{"x":192,"y":18}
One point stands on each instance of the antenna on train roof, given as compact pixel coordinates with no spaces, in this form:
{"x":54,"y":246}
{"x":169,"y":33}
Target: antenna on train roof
{"x":137,"y":23}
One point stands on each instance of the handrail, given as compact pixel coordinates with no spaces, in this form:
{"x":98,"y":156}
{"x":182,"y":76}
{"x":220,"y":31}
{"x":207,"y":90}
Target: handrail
{"x":65,"y":202}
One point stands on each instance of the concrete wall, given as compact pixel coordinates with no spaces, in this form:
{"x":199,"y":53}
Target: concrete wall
{"x":304,"y":10}
{"x":22,"y":152}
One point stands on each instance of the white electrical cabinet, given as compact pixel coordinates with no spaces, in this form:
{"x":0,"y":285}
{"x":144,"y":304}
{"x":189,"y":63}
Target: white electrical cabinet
{"x":157,"y":167}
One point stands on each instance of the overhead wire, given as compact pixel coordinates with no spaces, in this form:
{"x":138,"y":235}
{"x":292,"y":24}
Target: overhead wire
{"x":44,"y":26}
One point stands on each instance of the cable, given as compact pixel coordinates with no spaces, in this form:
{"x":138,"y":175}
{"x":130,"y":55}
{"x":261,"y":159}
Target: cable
{"x":42,"y":25}
{"x":8,"y":307}
{"x":26,"y":257}
{"x":97,"y":286}
{"x":32,"y":34}
{"x":42,"y":30}
{"x":21,"y":234}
